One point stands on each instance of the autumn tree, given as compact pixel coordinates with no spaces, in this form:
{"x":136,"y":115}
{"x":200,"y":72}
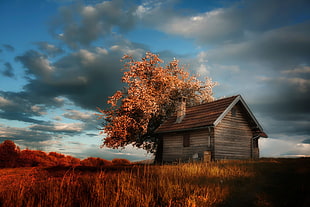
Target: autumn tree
{"x":9,"y":154}
{"x":33,"y":158}
{"x":95,"y":162}
{"x":149,"y":97}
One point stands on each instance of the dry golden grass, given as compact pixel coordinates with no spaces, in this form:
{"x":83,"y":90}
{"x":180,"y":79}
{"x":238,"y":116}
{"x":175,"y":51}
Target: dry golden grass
{"x":281,"y":182}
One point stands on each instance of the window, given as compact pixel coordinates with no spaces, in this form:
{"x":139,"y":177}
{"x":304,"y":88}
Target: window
{"x":233,"y":112}
{"x":186,"y":140}
{"x":255,"y":143}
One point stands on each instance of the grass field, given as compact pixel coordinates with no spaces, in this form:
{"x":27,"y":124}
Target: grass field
{"x":267,"y":182}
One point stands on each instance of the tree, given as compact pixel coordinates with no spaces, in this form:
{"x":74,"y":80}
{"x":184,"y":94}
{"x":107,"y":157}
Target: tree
{"x":148,"y":99}
{"x":9,"y":154}
{"x":33,"y":158}
{"x":95,"y":162}
{"x":120,"y":161}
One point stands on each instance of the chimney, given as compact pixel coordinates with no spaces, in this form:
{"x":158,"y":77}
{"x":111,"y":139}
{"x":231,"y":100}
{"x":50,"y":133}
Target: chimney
{"x":181,"y":109}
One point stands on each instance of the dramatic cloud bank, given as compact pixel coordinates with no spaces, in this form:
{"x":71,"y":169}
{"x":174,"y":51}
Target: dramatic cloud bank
{"x":259,"y":49}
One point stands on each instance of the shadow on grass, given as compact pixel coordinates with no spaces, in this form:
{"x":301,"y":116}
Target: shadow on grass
{"x":278,"y":182}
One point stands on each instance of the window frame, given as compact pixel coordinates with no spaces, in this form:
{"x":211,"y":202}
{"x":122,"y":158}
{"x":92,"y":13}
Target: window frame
{"x":233,"y":112}
{"x":255,"y":143}
{"x":186,"y":140}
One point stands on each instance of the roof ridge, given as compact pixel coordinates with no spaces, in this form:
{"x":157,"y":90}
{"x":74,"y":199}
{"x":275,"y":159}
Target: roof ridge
{"x":235,"y":96}
{"x":212,"y":110}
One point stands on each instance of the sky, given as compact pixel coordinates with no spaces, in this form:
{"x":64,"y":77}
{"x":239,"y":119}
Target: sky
{"x":60,"y":60}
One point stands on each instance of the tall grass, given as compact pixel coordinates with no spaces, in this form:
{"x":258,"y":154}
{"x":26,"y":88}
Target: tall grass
{"x":233,"y":183}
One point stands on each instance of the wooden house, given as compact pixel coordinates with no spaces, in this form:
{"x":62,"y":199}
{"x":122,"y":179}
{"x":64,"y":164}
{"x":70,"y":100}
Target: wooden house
{"x":222,"y":129}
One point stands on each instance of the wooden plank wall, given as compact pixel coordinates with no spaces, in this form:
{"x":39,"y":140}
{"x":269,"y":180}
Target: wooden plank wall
{"x":255,"y":153}
{"x":233,"y":137}
{"x":173,"y":145}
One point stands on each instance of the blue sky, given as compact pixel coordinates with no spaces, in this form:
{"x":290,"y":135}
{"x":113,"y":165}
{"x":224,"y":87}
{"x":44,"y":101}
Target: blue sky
{"x":59,"y":60}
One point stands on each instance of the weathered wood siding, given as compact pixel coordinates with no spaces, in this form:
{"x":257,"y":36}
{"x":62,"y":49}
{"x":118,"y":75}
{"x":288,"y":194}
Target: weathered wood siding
{"x":255,"y":149}
{"x":233,"y":136}
{"x":255,"y":153}
{"x":173,"y":149}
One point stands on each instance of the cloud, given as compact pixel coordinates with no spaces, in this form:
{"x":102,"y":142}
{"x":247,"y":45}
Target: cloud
{"x":151,"y":8}
{"x":234,"y":23}
{"x":14,"y":107}
{"x":62,"y":128}
{"x":306,"y":141}
{"x":36,"y":63}
{"x":283,"y":148}
{"x":91,"y":134}
{"x":8,"y":70}
{"x":5,"y":102}
{"x":277,"y":48}
{"x":130,"y":153}
{"x":82,"y":76}
{"x":24,"y":134}
{"x":8,"y":47}
{"x":283,"y":103}
{"x":81,"y":25}
{"x":24,"y":105}
{"x":25,"y":137}
{"x":49,"y":49}
{"x":78,"y":115}
{"x":89,"y":119}
{"x":41,"y":133}
{"x":62,"y":1}
{"x":19,"y":117}
{"x":301,"y":69}
{"x":289,"y":95}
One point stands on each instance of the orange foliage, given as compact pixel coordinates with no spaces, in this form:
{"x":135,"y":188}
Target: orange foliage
{"x":12,"y":156}
{"x":119,"y":161}
{"x":150,"y":97}
{"x":8,"y":154}
{"x":73,"y":161}
{"x":33,"y":158}
{"x":63,"y":160}
{"x":95,"y":162}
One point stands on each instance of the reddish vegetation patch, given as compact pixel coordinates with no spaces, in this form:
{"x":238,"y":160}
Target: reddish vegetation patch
{"x":13,"y":177}
{"x":11,"y":157}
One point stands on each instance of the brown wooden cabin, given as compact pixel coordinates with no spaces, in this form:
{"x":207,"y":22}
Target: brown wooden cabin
{"x":222,"y":129}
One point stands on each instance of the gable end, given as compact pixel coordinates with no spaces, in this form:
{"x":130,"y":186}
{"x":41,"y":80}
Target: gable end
{"x":230,"y":107}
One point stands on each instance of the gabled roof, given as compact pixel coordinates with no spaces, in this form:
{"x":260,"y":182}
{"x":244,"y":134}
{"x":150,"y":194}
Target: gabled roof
{"x":207,"y":115}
